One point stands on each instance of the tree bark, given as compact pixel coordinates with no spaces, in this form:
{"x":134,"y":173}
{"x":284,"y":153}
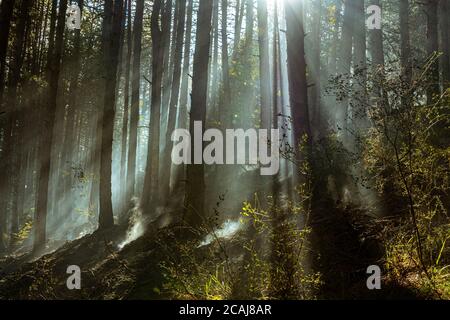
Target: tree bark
{"x":45,"y":148}
{"x":195,"y":195}
{"x":297,"y":75}
{"x":264,"y":64}
{"x":126,"y":108}
{"x":180,"y":175}
{"x":150,"y":194}
{"x":174,"y":96}
{"x":110,"y":50}
{"x":445,"y":44}
{"x":433,"y":48}
{"x":6,"y":11}
{"x":135,"y":99}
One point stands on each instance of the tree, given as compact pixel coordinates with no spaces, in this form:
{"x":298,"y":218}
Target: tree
{"x":180,"y":171}
{"x":174,"y":96}
{"x":224,"y":111}
{"x":6,"y":11}
{"x":195,"y":194}
{"x":345,"y":63}
{"x":445,"y":44}
{"x":264,"y":65}
{"x":150,"y":194}
{"x":112,"y":23}
{"x":126,"y":107}
{"x":135,"y":99}
{"x":15,"y":123}
{"x":432,"y":48}
{"x":46,"y":139}
{"x":298,"y":86}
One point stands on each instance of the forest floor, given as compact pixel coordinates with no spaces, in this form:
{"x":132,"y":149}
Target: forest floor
{"x":136,"y":272}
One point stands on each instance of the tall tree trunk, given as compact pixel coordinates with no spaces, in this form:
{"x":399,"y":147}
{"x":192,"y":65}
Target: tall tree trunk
{"x":150,"y":193}
{"x":6,"y":11}
{"x":433,"y":48}
{"x":126,"y":106}
{"x":405,"y":48}
{"x":45,"y":148}
{"x":184,"y":91}
{"x":111,"y":46}
{"x":298,"y":90}
{"x":174,"y":96}
{"x":16,"y":116}
{"x":315,"y":67}
{"x":135,"y":99}
{"x":69,"y":140}
{"x":445,"y":44}
{"x":333,"y":62}
{"x":249,"y":22}
{"x":166,"y":33}
{"x":344,"y":68}
{"x":225,"y":116}
{"x":378,"y":61}
{"x":195,"y":195}
{"x":360,"y":65}
{"x":240,"y":6}
{"x":264,"y":64}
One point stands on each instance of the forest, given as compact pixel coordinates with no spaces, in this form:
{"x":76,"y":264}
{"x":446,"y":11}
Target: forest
{"x":224,"y":149}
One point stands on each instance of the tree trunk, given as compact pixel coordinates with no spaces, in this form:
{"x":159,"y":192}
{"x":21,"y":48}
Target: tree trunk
{"x":345,"y":63}
{"x":297,"y":74}
{"x":69,"y":140}
{"x":184,"y":91}
{"x":166,"y":33}
{"x":150,"y":193}
{"x":12,"y":172}
{"x":126,"y":106}
{"x":445,"y":60}
{"x":264,"y":64}
{"x":135,"y":99}
{"x":240,"y":6}
{"x":6,"y":11}
{"x":195,"y":195}
{"x":359,"y":119}
{"x":405,"y":48}
{"x":111,"y":46}
{"x":45,"y":149}
{"x":225,"y":117}
{"x":433,"y":47}
{"x":174,"y":96}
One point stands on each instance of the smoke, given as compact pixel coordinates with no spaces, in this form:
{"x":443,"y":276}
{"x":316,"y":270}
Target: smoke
{"x":226,"y":231}
{"x":136,"y":226}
